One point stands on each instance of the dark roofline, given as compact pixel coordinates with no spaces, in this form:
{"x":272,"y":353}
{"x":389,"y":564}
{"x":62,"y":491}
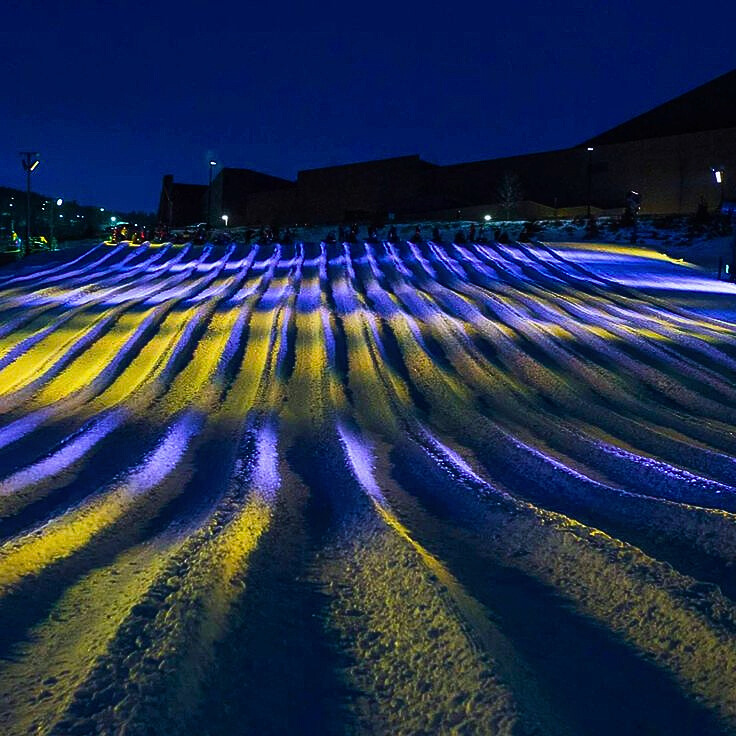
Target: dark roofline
{"x":253,"y":171}
{"x":706,"y":107}
{"x":510,"y":159}
{"x":371,"y":162}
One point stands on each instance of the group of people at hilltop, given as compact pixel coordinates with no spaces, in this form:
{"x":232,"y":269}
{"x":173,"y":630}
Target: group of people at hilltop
{"x":344,"y":234}
{"x":473,"y":235}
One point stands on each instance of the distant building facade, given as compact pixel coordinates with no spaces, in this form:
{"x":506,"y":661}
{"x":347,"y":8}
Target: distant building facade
{"x":181,"y":204}
{"x":232,"y":190}
{"x":668,"y":155}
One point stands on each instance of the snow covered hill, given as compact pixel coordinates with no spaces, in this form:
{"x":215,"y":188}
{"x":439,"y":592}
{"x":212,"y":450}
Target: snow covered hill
{"x":367,"y":488}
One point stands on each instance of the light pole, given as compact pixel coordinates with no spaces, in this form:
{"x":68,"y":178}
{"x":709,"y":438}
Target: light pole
{"x":58,"y":203}
{"x":12,"y":216}
{"x":226,"y":218}
{"x":590,"y":175}
{"x":719,"y":175}
{"x":30,"y":163}
{"x":209,"y":195}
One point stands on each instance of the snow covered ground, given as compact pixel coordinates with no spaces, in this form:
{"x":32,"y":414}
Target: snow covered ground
{"x":367,"y":488}
{"x":693,"y":285}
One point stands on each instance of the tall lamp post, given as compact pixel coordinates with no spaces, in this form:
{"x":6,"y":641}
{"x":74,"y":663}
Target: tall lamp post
{"x":719,"y":174}
{"x":590,"y":175}
{"x":58,"y":203}
{"x":209,"y":195}
{"x":30,"y":163}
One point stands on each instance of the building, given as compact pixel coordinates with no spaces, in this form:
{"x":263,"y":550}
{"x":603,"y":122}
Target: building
{"x":672,"y":151}
{"x":181,"y":204}
{"x":232,"y":190}
{"x":670,"y":155}
{"x":364,"y":191}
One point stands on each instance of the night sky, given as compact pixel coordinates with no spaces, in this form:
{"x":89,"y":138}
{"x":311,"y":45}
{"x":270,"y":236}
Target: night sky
{"x":114,"y":95}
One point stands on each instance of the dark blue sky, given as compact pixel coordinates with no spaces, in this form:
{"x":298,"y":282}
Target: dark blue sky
{"x":113,"y":95}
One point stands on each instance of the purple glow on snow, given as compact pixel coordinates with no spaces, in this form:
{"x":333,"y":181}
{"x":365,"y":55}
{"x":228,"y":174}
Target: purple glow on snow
{"x":266,"y":479}
{"x":25,"y":425}
{"x":167,"y":455}
{"x":422,"y":261}
{"x":349,"y":263}
{"x":13,"y":280}
{"x":65,"y":457}
{"x":361,"y":461}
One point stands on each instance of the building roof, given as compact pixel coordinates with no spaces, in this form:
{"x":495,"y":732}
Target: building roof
{"x":251,"y":173}
{"x":378,"y":163}
{"x":708,"y":107}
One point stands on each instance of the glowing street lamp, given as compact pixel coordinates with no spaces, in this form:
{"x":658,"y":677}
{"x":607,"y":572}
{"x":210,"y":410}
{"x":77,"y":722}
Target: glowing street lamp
{"x":209,"y":194}
{"x":226,"y":218}
{"x":58,"y":203}
{"x":487,"y":218}
{"x":719,"y":174}
{"x":30,"y":164}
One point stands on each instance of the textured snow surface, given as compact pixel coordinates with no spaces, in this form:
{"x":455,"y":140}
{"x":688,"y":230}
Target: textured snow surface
{"x":400,"y":488}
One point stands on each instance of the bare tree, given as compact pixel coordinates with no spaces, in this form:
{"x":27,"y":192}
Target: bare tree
{"x":509,"y":192}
